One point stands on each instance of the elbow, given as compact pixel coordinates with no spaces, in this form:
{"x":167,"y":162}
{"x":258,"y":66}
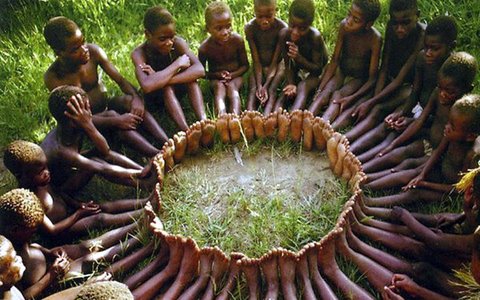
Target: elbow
{"x":146,"y":88}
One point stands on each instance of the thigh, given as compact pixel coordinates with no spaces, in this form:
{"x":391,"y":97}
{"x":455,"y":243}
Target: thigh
{"x":350,"y":87}
{"x":121,"y":104}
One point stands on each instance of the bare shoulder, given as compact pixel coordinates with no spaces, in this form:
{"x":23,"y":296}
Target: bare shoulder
{"x":280,"y":23}
{"x":376,"y":35}
{"x":249,"y":27}
{"x":204,"y":45}
{"x":237,"y":39}
{"x":282,"y":34}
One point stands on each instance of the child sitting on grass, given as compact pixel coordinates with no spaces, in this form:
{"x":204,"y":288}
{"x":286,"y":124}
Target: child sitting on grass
{"x":404,"y":36}
{"x":439,"y":42}
{"x":454,"y":155}
{"x":455,"y":79}
{"x":304,"y":54}
{"x":70,"y":166}
{"x":165,"y":67}
{"x":11,"y":271}
{"x":77,"y":64}
{"x":224,"y":57}
{"x":268,"y":69}
{"x":353,"y":68}
{"x":28,"y":163}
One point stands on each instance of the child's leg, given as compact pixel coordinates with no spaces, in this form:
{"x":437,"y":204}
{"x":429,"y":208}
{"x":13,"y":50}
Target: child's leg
{"x":219,"y":92}
{"x":252,"y":90}
{"x":395,"y":157}
{"x":233,"y":88}
{"x":196,"y":99}
{"x":132,"y":260}
{"x":322,"y":98}
{"x":408,"y":164}
{"x":103,"y":220}
{"x":392,"y":180}
{"x":206,"y":260}
{"x":174,"y":108}
{"x":403,"y":198}
{"x":346,"y":90}
{"x":280,"y":103}
{"x":118,"y":159}
{"x":457,"y":243}
{"x":117,"y":206}
{"x":272,"y":88}
{"x":319,"y":284}
{"x":372,"y":152}
{"x":369,"y":139}
{"x":304,"y":88}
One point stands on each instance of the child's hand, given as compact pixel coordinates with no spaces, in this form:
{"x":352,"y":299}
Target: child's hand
{"x":137,"y":107}
{"x":129,"y":121}
{"x":391,"y":118}
{"x":361,"y":111}
{"x":147,"y":69}
{"x":414,"y":183}
{"x":344,"y":102}
{"x":60,"y":267}
{"x":404,"y":283}
{"x":290,"y":90}
{"x":183,"y":62}
{"x":400,"y":124}
{"x":292,"y":50}
{"x":225,"y":76}
{"x":262,"y":94}
{"x":389,"y":294}
{"x":79,"y":111}
{"x":88,"y":209}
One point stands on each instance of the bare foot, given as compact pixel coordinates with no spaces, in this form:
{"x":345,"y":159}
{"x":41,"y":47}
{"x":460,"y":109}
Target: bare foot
{"x":168,"y":150}
{"x":221,"y":126}
{"x":303,"y":276}
{"x":347,"y":167}
{"x":208,"y":132}
{"x":296,"y":118}
{"x":159,"y":164}
{"x":194,"y":134}
{"x":332,"y":153}
{"x":271,"y":124}
{"x":151,"y":218}
{"x":283,"y":126}
{"x":321,"y":286}
{"x":188,"y":269}
{"x":233,"y":271}
{"x":206,"y":260}
{"x":251,"y":270}
{"x":342,"y":148}
{"x":247,"y":126}
{"x":234,"y":128}
{"x":307,"y":130}
{"x":269,"y":265}
{"x":318,"y":138}
{"x":152,"y":286}
{"x":258,"y":124}
{"x":219,"y":268}
{"x":180,"y":140}
{"x":286,"y":263}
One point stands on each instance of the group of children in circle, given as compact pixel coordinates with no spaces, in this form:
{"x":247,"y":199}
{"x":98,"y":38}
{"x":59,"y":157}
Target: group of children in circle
{"x":420,"y":83}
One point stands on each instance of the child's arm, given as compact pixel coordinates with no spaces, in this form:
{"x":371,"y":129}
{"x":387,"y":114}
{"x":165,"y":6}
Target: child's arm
{"x":272,"y":69}
{"x":242,"y":58}
{"x":333,"y":64}
{"x":150,"y":80}
{"x":54,"y":229}
{"x":257,"y":66}
{"x":194,"y":71}
{"x":319,"y":54}
{"x":137,"y":106}
{"x":372,"y":72}
{"x":203,"y":57}
{"x":414,"y":127}
{"x":434,"y":159}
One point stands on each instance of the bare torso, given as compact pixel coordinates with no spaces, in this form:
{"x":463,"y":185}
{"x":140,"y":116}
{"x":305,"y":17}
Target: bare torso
{"x":223,"y":57}
{"x":356,"y":53}
{"x":265,"y":40}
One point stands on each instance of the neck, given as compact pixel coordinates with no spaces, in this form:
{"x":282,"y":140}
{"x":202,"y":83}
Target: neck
{"x":67,"y":66}
{"x":68,"y":136}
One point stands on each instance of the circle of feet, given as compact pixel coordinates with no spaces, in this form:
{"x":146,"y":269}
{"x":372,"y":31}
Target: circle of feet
{"x":181,"y":270}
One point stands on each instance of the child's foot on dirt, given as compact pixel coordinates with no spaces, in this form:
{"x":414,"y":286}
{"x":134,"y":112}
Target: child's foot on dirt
{"x":194,"y":133}
{"x":168,"y":151}
{"x":271,"y":124}
{"x":283,"y":126}
{"x":258,"y":124}
{"x":296,"y":123}
{"x":234,"y":128}
{"x":247,"y":126}
{"x":208,"y":132}
{"x":221,"y":126}
{"x":180,"y":140}
{"x":307,"y":130}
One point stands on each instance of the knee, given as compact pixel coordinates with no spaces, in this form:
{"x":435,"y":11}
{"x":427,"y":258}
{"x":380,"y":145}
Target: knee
{"x":110,"y":113}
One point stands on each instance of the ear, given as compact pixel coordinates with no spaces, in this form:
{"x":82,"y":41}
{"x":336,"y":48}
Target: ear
{"x":453,"y":44}
{"x":148,"y":35}
{"x":369,"y":25}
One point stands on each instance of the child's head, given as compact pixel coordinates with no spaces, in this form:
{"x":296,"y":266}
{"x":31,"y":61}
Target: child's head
{"x":464,"y":119}
{"x":362,"y":14}
{"x":66,"y":39}
{"x":440,"y":39}
{"x":300,"y":17}
{"x":265,"y":13}
{"x":11,"y":265}
{"x":218,"y":19}
{"x":456,"y":76}
{"x":21,"y":213}
{"x":159,"y":29}
{"x":28,"y":163}
{"x":403,"y":17}
{"x":105,"y":290}
{"x":59,"y":97}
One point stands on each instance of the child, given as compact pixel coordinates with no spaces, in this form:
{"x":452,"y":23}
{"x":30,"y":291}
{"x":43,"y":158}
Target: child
{"x":455,"y":79}
{"x":77,"y":64}
{"x":304,"y":53}
{"x":70,"y":166}
{"x":28,"y":163}
{"x":353,"y":68}
{"x":225,"y":53}
{"x":403,"y":40}
{"x":439,"y":42}
{"x":262,"y":36}
{"x":11,"y":270}
{"x":453,"y":155}
{"x":164,"y":65}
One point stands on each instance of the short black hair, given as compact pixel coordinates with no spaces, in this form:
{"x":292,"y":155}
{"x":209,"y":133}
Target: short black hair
{"x":216,"y":8}
{"x":58,"y":30}
{"x":302,"y":9}
{"x":370,"y":9}
{"x":257,"y":3}
{"x":469,"y":107}
{"x":401,"y":5}
{"x":462,"y":67}
{"x":445,"y":27}
{"x":57,"y":102}
{"x":157,"y":16}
